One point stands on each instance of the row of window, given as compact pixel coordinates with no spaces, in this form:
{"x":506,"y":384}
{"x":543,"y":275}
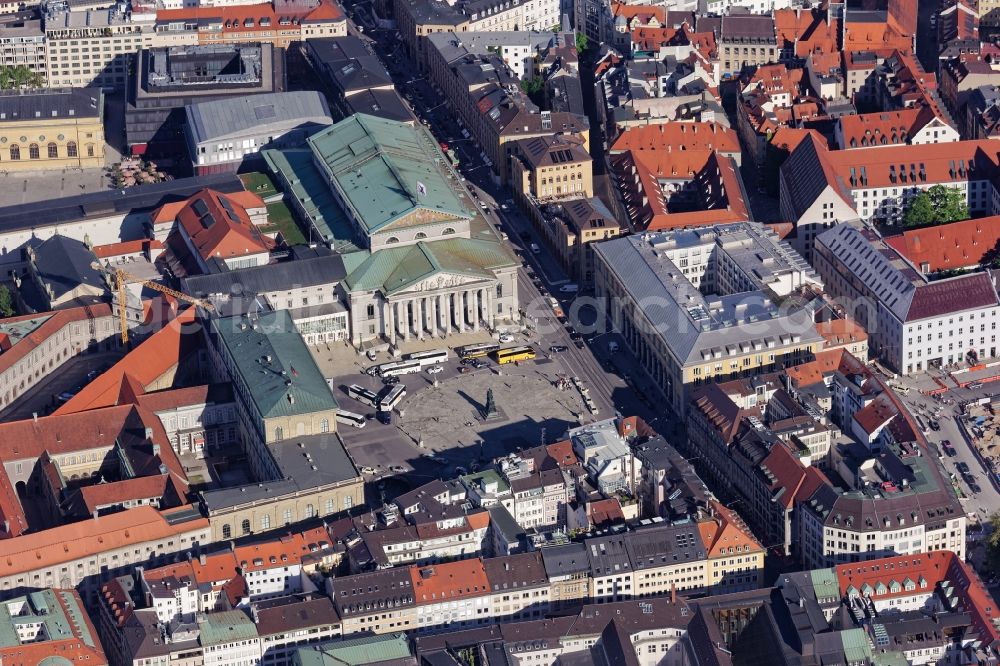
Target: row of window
{"x":51,"y":151}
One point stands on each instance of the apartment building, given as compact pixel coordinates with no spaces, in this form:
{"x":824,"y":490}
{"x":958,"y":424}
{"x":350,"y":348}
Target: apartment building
{"x":94,"y":47}
{"x":195,"y":418}
{"x":486,"y":96}
{"x":46,"y":623}
{"x":85,"y":554}
{"x":906,"y":507}
{"x":51,"y":129}
{"x":547,"y":168}
{"x":913,"y":126}
{"x":296,"y":623}
{"x":914,"y":323}
{"x":568,"y":570}
{"x":877,"y":184}
{"x":451,"y":595}
{"x":23,"y":43}
{"x":34,"y":346}
{"x":519,"y":586}
{"x":279,"y":25}
{"x":377,"y":602}
{"x":432,"y":536}
{"x":692,"y":338}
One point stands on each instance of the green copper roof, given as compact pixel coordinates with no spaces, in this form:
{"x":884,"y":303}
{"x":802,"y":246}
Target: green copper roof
{"x":354,"y":651}
{"x":275,"y":364}
{"x":303,"y":181}
{"x":226,"y":627}
{"x":825,"y":584}
{"x":43,"y":607}
{"x":857,"y":649}
{"x":394,"y":269}
{"x":17,"y":331}
{"x":384,"y":170}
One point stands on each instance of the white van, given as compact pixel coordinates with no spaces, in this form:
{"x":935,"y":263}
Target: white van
{"x":535,"y":248}
{"x":569,"y":288}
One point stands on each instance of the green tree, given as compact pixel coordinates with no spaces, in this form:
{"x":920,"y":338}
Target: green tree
{"x":533,"y":88}
{"x":19,"y":76}
{"x":581,"y":42}
{"x":6,"y":302}
{"x":920,"y":212}
{"x":950,"y":203}
{"x":993,"y":543}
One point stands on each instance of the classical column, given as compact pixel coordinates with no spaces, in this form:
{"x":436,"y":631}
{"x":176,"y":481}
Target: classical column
{"x":418,"y":317}
{"x":456,"y":310}
{"x":488,"y":307}
{"x":429,"y":315}
{"x":389,"y":322}
{"x":474,"y":303}
{"x":402,"y":317}
{"x":442,"y":314}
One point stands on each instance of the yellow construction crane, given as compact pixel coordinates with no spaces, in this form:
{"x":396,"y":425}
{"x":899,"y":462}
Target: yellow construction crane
{"x":120,"y":277}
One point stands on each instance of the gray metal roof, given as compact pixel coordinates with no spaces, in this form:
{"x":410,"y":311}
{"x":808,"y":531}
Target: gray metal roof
{"x":326,"y":454}
{"x":276,"y":366}
{"x":51,"y":103}
{"x":226,"y":117}
{"x":110,"y":202}
{"x":64,"y":264}
{"x":309,"y":272}
{"x":689,"y":323}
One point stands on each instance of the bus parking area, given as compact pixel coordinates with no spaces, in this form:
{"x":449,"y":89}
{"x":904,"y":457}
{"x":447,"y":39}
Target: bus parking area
{"x":436,"y":422}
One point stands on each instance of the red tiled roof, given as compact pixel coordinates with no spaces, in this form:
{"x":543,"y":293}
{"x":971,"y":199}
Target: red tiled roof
{"x":605,"y":513}
{"x":87,"y":538}
{"x":107,"y":494}
{"x":839,"y":332}
{"x":439,"y":583}
{"x":925,"y":571}
{"x":247,"y":18}
{"x":943,"y":296}
{"x":726,"y":530}
{"x":941,"y":163}
{"x":218,"y":226}
{"x":825,"y":362}
{"x":948,"y":246}
{"x":641,"y":12}
{"x":677,"y":137}
{"x":144,"y":246}
{"x":148,"y":361}
{"x":55,"y":323}
{"x":876,"y":414}
{"x":793,"y":481}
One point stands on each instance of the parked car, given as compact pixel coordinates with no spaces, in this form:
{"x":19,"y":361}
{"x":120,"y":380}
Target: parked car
{"x":579,"y":344}
{"x":397,"y":469}
{"x":434,"y":369}
{"x":506,"y":337}
{"x":534,"y":248}
{"x":558,"y":348}
{"x":569,"y":288}
{"x":464,"y":369}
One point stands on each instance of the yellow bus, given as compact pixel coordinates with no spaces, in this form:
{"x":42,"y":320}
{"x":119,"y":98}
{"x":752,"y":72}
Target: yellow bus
{"x":512,"y":354}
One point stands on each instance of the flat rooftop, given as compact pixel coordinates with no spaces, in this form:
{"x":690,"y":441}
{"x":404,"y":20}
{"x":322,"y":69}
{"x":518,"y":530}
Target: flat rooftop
{"x":111,"y":202}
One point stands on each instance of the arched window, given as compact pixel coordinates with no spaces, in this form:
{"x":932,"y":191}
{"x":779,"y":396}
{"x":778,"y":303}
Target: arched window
{"x":53,"y":151}
{"x":390,"y":240}
{"x":265,"y":522}
{"x":310,"y":511}
{"x":33,"y":152}
{"x":71,"y":149}
{"x":15,"y":152}
{"x":246,"y":526}
{"x":324,"y":425}
{"x":279,"y":434}
{"x":447,"y":231}
{"x":420,"y":235}
{"x":227,"y":532}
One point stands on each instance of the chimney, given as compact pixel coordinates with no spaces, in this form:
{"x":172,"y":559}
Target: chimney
{"x":148,"y":432}
{"x":34,"y":416}
{"x":202,"y":559}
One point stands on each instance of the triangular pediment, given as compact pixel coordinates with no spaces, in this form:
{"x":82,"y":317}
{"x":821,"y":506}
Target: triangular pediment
{"x":439,"y":280}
